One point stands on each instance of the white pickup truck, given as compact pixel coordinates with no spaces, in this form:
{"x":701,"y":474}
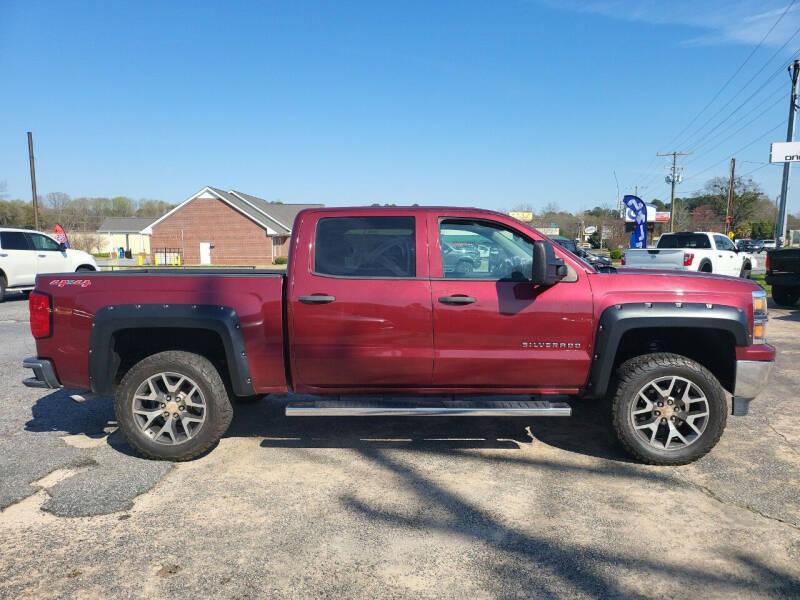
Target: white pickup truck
{"x":703,"y":251}
{"x":25,"y":254}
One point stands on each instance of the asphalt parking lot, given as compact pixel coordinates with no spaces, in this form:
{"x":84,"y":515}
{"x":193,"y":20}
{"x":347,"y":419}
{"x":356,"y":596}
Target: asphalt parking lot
{"x":393,"y":507}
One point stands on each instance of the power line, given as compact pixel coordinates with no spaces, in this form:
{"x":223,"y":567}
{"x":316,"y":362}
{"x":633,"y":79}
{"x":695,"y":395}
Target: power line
{"x":732,"y":77}
{"x":742,"y":128}
{"x":745,"y":147}
{"x":749,"y":81}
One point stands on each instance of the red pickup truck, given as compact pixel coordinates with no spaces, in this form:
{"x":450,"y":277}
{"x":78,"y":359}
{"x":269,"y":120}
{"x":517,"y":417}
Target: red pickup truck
{"x":411,"y":304}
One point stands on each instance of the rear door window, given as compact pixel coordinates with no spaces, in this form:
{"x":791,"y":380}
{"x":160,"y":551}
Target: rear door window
{"x":684,"y":240}
{"x":375,"y":247}
{"x":13,"y":240}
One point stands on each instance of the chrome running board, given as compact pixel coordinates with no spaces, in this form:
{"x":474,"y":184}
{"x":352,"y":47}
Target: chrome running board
{"x":421,"y":408}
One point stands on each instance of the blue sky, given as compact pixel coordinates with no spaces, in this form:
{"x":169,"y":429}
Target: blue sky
{"x":487,"y":104}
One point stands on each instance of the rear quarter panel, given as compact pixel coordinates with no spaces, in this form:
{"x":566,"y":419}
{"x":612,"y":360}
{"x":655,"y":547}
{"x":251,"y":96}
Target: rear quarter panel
{"x":257,"y":300}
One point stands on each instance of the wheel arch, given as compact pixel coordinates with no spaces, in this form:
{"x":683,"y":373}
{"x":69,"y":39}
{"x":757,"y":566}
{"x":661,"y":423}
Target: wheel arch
{"x":123,"y":334}
{"x":705,"y":263}
{"x":85,"y":267}
{"x":691,"y":330}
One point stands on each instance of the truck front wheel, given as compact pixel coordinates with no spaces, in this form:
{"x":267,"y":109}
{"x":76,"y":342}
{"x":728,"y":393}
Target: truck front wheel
{"x":173,"y":406}
{"x":668,"y":409}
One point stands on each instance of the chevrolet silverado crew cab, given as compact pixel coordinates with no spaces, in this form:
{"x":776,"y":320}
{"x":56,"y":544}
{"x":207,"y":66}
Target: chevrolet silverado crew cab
{"x":24,"y":254}
{"x":371,"y":305}
{"x":706,"y":252}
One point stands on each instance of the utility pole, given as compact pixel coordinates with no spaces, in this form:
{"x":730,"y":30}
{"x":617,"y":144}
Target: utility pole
{"x":730,"y":196}
{"x":673,"y":179}
{"x":780,"y":232}
{"x":33,"y":183}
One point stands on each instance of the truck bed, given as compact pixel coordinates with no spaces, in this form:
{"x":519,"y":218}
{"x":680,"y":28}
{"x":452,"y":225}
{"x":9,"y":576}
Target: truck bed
{"x":152,"y":297}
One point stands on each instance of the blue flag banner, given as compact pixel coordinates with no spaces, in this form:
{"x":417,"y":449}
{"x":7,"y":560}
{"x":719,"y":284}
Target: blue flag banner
{"x":639,"y":209}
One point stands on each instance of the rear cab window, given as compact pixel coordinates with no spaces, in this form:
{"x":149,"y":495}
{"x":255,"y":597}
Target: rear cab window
{"x":381,"y":247}
{"x":684,"y":240}
{"x":13,"y":240}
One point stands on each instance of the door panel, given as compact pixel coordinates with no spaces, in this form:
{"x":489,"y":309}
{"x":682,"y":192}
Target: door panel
{"x":513,"y":334}
{"x":360,"y":309}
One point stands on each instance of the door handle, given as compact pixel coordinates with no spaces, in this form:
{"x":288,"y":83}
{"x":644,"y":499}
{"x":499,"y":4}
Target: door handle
{"x":3,"y":254}
{"x":317,"y":299}
{"x":456,"y":299}
{"x":42,"y":255}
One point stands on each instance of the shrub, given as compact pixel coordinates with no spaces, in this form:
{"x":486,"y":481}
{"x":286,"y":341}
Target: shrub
{"x":280,"y":260}
{"x":615,"y":254}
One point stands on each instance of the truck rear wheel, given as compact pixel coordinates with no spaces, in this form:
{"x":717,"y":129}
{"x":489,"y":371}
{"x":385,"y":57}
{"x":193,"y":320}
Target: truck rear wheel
{"x":173,"y":406}
{"x":668,"y":409}
{"x":785,"y":296}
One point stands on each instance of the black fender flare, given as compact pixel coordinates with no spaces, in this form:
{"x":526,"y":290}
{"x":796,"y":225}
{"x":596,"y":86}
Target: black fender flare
{"x":619,"y":319}
{"x":104,"y":362}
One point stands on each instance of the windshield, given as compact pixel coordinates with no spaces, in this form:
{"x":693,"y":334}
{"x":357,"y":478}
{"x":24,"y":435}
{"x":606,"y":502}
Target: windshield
{"x":684,"y":240}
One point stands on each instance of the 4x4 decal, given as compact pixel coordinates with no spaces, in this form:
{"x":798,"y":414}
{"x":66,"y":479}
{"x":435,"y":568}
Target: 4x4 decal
{"x":65,"y":282}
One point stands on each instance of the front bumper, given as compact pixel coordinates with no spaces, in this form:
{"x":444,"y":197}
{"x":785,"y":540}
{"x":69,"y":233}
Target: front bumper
{"x":44,"y":376}
{"x":751,"y":379}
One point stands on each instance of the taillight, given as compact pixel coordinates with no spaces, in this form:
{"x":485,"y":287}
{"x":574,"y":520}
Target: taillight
{"x":41,"y":314}
{"x":766,"y":262}
{"x":688,"y":257}
{"x":622,"y":259}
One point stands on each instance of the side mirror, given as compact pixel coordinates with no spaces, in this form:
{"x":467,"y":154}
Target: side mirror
{"x":62,"y":247}
{"x":547,"y":269}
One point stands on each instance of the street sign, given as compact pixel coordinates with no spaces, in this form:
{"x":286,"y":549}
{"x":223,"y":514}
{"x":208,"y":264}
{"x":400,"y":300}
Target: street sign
{"x":781,"y":152}
{"x":590,"y":229}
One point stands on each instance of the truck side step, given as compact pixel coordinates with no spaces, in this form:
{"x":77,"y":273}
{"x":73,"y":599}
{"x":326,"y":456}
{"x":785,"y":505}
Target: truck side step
{"x":427,"y":408}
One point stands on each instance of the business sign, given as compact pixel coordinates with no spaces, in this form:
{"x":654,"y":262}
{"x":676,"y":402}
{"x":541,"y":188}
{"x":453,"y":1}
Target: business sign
{"x":525,"y":217}
{"x":590,"y":230}
{"x":784,"y":152}
{"x":549,"y":231}
{"x":662,"y":217}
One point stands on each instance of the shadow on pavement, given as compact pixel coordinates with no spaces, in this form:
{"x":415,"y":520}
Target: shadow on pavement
{"x":545,"y":567}
{"x":587,"y":432}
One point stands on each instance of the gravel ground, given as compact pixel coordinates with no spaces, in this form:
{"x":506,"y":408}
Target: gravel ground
{"x":393,"y":507}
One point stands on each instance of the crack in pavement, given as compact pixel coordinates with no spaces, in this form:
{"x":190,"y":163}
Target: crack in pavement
{"x":714,"y":496}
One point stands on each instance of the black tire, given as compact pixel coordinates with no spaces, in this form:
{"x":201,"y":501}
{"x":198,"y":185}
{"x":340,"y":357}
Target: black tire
{"x":218,"y":409}
{"x":705,"y":267}
{"x":747,"y":271}
{"x":634,"y":375}
{"x":2,"y":288}
{"x":83,"y":268}
{"x":784,"y":295}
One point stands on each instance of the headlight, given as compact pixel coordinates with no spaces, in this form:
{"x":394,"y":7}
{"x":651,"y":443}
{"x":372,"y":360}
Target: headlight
{"x":760,"y":317}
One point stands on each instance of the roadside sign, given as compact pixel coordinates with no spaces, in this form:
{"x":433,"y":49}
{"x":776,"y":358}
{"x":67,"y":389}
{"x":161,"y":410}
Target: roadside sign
{"x":662,"y":216}
{"x":784,"y":152}
{"x":590,"y":230}
{"x":525,"y":217}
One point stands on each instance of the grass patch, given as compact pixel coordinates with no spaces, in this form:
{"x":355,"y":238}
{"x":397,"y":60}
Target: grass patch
{"x":760,"y":280}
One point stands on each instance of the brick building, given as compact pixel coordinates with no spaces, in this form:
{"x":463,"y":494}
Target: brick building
{"x":215,"y":227}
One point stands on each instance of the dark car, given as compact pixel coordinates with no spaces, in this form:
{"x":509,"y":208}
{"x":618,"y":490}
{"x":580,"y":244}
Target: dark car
{"x":596,"y":260}
{"x":752,"y":246}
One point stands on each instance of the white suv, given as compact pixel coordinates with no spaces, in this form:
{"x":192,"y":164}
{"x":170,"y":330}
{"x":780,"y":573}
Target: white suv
{"x":25,"y":254}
